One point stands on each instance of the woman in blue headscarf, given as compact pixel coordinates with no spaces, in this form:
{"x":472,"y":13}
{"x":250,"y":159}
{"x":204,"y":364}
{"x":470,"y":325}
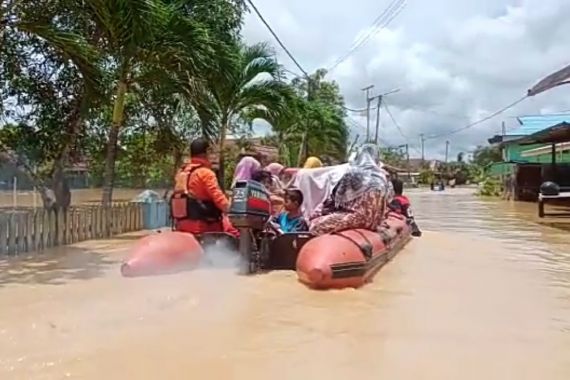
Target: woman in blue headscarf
{"x":359,"y":199}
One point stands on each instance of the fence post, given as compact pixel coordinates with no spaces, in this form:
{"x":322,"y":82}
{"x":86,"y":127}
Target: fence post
{"x":37,"y":230}
{"x":29,"y":231}
{"x":52,"y":223}
{"x":15,"y":193}
{"x":21,"y":232}
{"x":11,"y":234}
{"x":3,"y":234}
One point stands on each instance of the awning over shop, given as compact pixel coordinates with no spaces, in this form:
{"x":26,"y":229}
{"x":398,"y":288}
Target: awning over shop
{"x":558,"y":133}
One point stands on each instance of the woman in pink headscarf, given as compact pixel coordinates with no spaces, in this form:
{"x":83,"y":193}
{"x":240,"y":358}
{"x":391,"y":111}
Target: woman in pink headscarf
{"x":276,"y":188}
{"x":275,"y":169}
{"x":245,"y":169}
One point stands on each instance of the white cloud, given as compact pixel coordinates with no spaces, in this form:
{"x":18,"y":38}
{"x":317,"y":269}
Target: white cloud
{"x":454,"y":61}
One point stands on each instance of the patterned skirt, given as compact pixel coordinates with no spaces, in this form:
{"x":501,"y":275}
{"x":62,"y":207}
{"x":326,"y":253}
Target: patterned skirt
{"x":366,"y":212}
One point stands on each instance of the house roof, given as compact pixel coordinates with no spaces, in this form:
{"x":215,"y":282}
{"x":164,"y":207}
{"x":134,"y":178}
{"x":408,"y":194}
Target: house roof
{"x":557,"y":133}
{"x":535,"y":123}
{"x":269,"y":153}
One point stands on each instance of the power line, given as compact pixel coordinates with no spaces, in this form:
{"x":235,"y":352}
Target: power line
{"x":399,"y":128}
{"x":277,"y":38}
{"x":297,"y":75}
{"x":394,"y":121}
{"x":391,"y":10}
{"x":358,"y":111}
{"x":471,"y":125}
{"x":382,"y":21}
{"x":357,"y":125}
{"x":414,"y":109}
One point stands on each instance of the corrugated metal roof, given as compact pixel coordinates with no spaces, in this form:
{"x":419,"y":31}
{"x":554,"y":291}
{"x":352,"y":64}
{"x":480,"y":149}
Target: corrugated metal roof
{"x":535,"y":123}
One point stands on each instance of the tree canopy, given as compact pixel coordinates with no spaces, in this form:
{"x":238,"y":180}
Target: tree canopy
{"x":124,"y":85}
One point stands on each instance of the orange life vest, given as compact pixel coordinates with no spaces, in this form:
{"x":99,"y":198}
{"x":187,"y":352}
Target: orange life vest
{"x":183,"y":205}
{"x":182,"y":177}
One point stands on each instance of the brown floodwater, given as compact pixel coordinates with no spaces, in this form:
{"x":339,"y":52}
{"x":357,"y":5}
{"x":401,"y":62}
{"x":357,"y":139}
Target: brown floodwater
{"x":484,"y":294}
{"x":78,"y":197}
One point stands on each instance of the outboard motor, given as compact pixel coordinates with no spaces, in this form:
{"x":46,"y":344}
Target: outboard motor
{"x":550,"y":188}
{"x":250,"y":211}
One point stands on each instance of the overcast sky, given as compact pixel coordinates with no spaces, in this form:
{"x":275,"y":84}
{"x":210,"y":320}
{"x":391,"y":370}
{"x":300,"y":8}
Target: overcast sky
{"x":454,"y":61}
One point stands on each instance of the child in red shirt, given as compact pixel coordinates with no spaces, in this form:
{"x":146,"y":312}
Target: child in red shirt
{"x":401,"y":205}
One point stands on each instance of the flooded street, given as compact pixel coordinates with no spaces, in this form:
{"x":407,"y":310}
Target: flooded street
{"x":484,"y":294}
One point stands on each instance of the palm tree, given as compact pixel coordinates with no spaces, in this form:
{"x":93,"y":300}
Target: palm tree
{"x":251,"y":83}
{"x":321,"y":117}
{"x":143,"y":38}
{"x":327,"y":132}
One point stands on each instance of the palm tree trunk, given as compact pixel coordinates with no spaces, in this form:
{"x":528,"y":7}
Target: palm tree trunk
{"x":221,"y":146}
{"x":302,"y":150}
{"x":118,"y":112}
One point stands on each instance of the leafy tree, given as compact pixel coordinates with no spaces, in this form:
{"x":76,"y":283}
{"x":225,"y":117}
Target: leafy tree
{"x":393,"y":156}
{"x":460,"y":156}
{"x":252,"y":85}
{"x":49,"y":79}
{"x":321,"y":123}
{"x":485,"y":155}
{"x":426,"y":176}
{"x":145,"y":40}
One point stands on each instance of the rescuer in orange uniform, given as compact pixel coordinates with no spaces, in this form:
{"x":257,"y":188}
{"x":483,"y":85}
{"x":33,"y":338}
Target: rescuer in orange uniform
{"x":198,"y":204}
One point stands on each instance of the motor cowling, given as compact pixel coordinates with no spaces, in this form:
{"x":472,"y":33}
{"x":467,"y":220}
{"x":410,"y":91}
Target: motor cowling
{"x":549,"y":188}
{"x":250,"y":206}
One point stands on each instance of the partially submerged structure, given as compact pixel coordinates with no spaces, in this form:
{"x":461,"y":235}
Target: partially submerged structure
{"x":527,"y":159}
{"x":555,"y":137}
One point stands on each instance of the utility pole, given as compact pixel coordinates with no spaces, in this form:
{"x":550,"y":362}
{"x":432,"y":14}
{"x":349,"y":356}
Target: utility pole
{"x":503,"y":129}
{"x":368,"y":99}
{"x":377,"y":119}
{"x":423,"y":141}
{"x":446,"y":150}
{"x":304,"y":137}
{"x":408,"y":162}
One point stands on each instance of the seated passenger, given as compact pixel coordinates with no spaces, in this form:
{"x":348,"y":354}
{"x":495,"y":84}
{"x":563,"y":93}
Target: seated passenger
{"x":313,"y":163}
{"x":275,"y":193}
{"x":401,"y":205}
{"x":263,"y":177}
{"x":358,"y":200}
{"x":291,"y":220}
{"x":276,"y":170}
{"x":245,"y":169}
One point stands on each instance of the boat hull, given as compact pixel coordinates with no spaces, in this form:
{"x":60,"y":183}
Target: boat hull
{"x":161,"y":253}
{"x":350,"y":259}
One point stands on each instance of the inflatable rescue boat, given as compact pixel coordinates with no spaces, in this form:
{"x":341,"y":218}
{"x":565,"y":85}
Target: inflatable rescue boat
{"x":344,"y":259}
{"x":350,"y":259}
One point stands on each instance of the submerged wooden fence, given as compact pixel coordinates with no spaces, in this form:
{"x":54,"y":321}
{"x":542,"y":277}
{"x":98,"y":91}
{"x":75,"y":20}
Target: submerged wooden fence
{"x":28,"y":230}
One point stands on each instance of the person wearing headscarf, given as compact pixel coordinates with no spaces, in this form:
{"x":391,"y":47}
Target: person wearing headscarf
{"x":275,"y":169}
{"x":245,"y":169}
{"x":359,"y":198}
{"x":312,"y":163}
{"x":317,"y":186}
{"x":275,"y":186}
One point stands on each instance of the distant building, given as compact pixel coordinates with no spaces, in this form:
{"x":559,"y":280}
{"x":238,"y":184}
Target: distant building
{"x":253,"y":146}
{"x":528,"y":164}
{"x":410,"y":171}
